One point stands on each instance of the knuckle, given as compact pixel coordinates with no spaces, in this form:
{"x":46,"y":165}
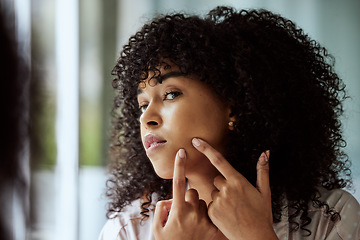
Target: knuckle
{"x":241,"y":188}
{"x":226,"y":189}
{"x":214,"y":194}
{"x":218,"y":158}
{"x":202,"y":203}
{"x":192,"y":192}
{"x":218,"y":179}
{"x":192,"y":195}
{"x":238,"y":184}
{"x":179,"y":181}
{"x":159,"y":204}
{"x":213,"y":213}
{"x":263,"y":170}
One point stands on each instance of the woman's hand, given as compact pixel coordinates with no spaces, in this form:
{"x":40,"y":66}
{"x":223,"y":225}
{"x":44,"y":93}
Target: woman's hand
{"x":238,"y":209}
{"x":185,"y":216}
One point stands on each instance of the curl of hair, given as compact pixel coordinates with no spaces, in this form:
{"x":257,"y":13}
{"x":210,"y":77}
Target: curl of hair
{"x":284,"y":95}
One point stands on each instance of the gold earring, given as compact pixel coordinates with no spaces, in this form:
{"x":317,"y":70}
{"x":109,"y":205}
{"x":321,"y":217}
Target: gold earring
{"x":231,"y":125}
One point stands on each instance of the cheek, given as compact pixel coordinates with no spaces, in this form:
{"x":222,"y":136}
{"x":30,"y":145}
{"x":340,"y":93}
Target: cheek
{"x":213,"y":130}
{"x":181,"y":125}
{"x":207,"y":125}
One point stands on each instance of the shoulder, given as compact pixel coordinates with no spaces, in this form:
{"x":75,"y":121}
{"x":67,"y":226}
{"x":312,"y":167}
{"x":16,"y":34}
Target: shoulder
{"x":128,"y":224}
{"x":340,"y":201}
{"x":322,"y":225}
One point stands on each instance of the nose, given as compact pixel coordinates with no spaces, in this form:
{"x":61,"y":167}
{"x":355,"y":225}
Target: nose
{"x":151,"y":117}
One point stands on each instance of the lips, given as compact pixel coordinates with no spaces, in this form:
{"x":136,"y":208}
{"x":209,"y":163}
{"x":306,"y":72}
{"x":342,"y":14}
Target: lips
{"x":152,"y":141}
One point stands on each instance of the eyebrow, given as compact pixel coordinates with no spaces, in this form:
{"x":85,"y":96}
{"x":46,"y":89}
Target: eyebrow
{"x":162,"y":78}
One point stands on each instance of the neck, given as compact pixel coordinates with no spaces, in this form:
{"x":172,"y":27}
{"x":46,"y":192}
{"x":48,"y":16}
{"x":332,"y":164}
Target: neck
{"x":203,"y":184}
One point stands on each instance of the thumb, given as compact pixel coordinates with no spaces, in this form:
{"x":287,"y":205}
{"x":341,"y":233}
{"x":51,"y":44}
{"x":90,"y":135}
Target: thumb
{"x":161,"y":214}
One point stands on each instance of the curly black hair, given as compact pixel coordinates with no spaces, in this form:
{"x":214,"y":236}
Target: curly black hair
{"x":284,"y":95}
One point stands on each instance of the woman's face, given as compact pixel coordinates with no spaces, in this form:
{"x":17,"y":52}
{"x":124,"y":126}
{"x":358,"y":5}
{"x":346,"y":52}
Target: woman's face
{"x":174,"y":112}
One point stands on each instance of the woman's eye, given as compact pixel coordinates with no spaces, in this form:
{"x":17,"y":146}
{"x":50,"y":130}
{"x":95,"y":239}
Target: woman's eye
{"x":171,"y":95}
{"x":143,"y":108}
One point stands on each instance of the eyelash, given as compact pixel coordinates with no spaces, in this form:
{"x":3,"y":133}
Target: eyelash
{"x":174,"y":93}
{"x":141,"y":107}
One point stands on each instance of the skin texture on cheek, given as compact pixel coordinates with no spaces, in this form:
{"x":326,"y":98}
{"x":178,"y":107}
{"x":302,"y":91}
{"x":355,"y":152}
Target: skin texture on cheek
{"x":181,"y":136}
{"x":204,"y":119}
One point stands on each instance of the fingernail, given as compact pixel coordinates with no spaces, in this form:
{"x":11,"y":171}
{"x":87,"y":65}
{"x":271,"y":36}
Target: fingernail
{"x":196,"y":142}
{"x":182,"y":153}
{"x":267,"y":153}
{"x":263,"y":159}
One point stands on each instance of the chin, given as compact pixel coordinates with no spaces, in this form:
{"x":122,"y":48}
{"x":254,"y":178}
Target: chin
{"x":164,"y":169}
{"x":164,"y":172}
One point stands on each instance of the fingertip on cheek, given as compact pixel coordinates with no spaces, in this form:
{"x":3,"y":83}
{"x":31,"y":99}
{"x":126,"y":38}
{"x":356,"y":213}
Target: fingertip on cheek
{"x":196,"y":142}
{"x":182,"y":153}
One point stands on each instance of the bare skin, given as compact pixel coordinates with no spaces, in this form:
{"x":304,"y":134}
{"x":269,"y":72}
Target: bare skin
{"x":221,"y":203}
{"x":237,"y":210}
{"x":175,"y":111}
{"x":185,"y":216}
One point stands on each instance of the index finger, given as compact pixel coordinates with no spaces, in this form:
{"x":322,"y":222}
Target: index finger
{"x":216,"y":159}
{"x":179,"y":181}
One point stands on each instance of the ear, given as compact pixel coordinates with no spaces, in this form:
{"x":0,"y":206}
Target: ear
{"x":232,"y":119}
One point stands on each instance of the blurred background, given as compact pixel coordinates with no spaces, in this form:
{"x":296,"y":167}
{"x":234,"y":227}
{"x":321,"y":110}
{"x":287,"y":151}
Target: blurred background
{"x":71,"y":46}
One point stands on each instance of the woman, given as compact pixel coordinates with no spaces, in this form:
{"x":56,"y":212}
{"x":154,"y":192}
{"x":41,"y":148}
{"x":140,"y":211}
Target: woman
{"x":214,"y":104}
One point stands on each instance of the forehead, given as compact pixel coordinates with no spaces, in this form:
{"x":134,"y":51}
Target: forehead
{"x":155,"y":80}
{"x":158,"y":75}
